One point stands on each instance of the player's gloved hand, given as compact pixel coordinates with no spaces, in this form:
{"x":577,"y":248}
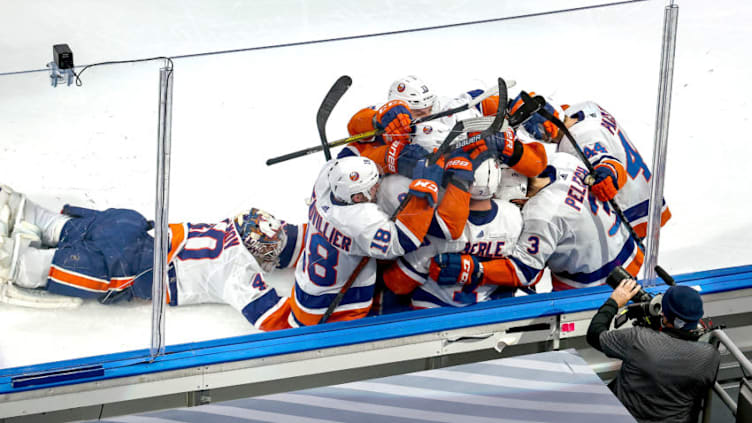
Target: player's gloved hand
{"x":604,"y":182}
{"x":537,"y":126}
{"x":459,"y":168}
{"x":426,"y":180}
{"x":455,"y":268}
{"x":401,"y":157}
{"x":394,"y":118}
{"x":499,"y":145}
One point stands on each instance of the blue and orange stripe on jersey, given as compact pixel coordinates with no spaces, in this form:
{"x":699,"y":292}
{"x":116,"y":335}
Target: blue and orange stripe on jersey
{"x":308,"y":309}
{"x":637,"y":216}
{"x":630,"y":258}
{"x":81,"y":285}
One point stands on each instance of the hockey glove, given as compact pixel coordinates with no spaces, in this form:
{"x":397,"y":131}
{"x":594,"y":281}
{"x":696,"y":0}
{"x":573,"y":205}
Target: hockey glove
{"x":459,"y":170}
{"x":500,"y":145}
{"x":537,"y":126}
{"x":608,"y":177}
{"x":455,"y":268}
{"x":426,"y":181}
{"x":401,"y":158}
{"x":394,"y":118}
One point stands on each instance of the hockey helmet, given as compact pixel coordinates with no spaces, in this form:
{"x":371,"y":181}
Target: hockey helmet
{"x":430,"y":135}
{"x":487,"y":179}
{"x":513,"y":185}
{"x":413,"y":91}
{"x":353,"y":175}
{"x":263,"y":235}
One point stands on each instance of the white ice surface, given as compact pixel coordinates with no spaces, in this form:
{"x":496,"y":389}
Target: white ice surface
{"x":95,"y":145}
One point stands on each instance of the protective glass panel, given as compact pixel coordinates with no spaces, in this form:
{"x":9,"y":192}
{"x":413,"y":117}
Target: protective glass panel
{"x":233,"y":111}
{"x":91,"y":147}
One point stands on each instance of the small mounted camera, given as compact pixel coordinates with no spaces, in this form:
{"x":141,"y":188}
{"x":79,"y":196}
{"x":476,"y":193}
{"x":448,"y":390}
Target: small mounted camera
{"x":61,"y":68}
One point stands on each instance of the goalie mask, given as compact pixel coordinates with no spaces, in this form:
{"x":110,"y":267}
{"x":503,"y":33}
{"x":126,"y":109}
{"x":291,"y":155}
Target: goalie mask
{"x":263,"y":236}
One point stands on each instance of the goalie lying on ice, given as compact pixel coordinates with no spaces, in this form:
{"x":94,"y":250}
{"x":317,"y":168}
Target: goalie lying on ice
{"x":108,"y":255}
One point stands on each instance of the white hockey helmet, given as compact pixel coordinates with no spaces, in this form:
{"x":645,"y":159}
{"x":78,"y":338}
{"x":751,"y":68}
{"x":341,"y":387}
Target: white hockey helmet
{"x":413,"y":91}
{"x":513,"y":185}
{"x":263,"y":235}
{"x":487,"y":180}
{"x":353,"y":175}
{"x":430,"y":135}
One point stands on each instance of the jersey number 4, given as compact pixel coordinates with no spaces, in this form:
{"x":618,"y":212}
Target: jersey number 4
{"x":635,"y":164}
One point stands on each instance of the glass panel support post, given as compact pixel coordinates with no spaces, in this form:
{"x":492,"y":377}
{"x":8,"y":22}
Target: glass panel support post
{"x":670,"y":21}
{"x":161,"y":230}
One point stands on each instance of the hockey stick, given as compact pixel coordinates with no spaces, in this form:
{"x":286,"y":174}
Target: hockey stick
{"x":431,"y":159}
{"x":358,"y":137}
{"x":559,"y":124}
{"x":330,"y":100}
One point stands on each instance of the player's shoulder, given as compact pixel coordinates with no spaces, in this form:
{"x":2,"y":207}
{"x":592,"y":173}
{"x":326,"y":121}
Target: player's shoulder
{"x":353,"y":217}
{"x":589,"y":118}
{"x":509,"y":216}
{"x":562,"y":170}
{"x":393,"y":188}
{"x":508,"y":211}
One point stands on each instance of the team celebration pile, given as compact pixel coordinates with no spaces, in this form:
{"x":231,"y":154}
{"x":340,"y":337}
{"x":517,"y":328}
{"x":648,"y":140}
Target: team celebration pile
{"x":434,"y":202}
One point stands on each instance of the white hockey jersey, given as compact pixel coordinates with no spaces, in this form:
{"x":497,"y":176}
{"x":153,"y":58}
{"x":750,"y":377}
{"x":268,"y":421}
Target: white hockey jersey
{"x":600,"y":137}
{"x":338,"y":237}
{"x":210,"y":264}
{"x":566,"y":228}
{"x":487,"y":235}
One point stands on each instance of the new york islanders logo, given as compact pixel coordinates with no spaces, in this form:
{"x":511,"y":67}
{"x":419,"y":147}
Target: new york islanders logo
{"x":427,"y":129}
{"x":400,"y":87}
{"x":354,"y":176}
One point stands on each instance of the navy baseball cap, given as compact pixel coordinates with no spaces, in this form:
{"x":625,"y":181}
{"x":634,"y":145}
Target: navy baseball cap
{"x":682,"y":306}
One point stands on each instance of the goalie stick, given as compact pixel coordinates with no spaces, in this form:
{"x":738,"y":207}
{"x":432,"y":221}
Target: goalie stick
{"x":340,"y":87}
{"x":358,"y":137}
{"x":431,"y":159}
{"x":589,"y":179}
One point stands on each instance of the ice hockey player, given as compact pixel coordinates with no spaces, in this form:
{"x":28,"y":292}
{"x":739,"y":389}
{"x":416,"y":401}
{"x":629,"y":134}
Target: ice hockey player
{"x":410,"y":98}
{"x":620,"y":172}
{"x":345,"y":224}
{"x":564,"y":227}
{"x":108,"y":256}
{"x":491,"y":232}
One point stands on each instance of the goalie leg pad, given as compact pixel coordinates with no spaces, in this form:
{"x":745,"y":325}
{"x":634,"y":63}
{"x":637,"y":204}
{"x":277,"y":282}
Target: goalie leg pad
{"x":35,"y":298}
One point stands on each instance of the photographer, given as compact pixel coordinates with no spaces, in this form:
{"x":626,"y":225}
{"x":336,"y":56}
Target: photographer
{"x":665,"y":373}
